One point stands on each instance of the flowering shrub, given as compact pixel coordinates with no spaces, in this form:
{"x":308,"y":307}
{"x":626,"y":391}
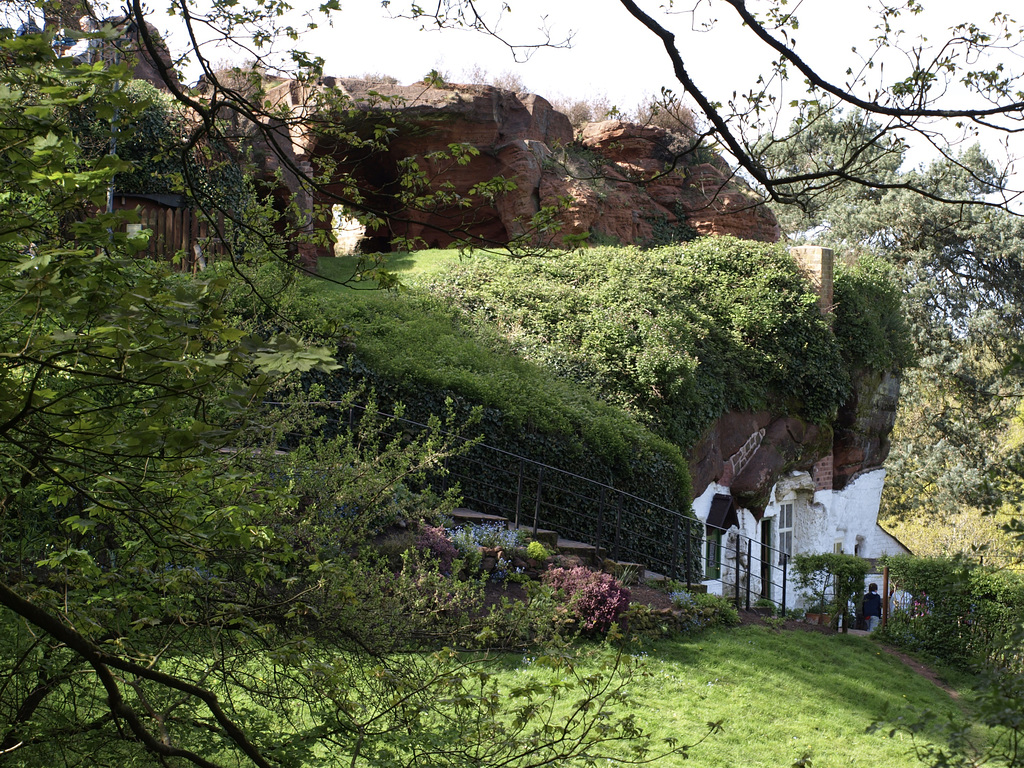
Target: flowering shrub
{"x":597,"y":599}
{"x":436,"y":542}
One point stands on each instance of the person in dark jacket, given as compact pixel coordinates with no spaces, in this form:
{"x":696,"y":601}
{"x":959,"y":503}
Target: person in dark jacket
{"x":872,"y":607}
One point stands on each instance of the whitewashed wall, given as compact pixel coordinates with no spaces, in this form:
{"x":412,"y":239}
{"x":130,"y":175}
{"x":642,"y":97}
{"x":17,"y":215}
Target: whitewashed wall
{"x":821,"y":520}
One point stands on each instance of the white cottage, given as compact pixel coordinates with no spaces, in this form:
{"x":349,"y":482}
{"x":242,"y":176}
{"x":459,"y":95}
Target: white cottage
{"x":800,"y":518}
{"x":746,"y":551}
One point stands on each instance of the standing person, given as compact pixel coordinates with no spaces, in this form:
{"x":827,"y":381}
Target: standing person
{"x":872,"y":607}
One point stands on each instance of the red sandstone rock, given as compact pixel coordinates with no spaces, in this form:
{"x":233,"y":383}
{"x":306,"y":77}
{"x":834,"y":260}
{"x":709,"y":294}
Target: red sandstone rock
{"x":623,"y":180}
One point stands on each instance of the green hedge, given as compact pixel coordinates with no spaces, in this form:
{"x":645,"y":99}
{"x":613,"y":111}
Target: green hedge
{"x":961,"y":613}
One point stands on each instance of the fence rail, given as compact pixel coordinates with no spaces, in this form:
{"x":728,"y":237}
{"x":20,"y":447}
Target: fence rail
{"x":618,"y":523}
{"x":752,"y":570}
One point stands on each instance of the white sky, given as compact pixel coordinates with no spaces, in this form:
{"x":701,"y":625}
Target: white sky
{"x":613,"y":55}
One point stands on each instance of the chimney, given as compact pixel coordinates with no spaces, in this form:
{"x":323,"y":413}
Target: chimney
{"x":816,"y":263}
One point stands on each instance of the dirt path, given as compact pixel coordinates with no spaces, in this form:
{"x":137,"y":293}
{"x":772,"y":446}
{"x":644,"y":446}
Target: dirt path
{"x":921,"y":669}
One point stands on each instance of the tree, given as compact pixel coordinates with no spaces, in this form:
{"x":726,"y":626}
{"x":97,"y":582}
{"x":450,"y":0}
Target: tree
{"x":964,"y":85}
{"x":953,"y":448}
{"x":174,"y":587}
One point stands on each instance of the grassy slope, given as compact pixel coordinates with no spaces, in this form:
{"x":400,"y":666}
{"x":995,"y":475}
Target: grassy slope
{"x":781,"y":696}
{"x":408,"y":266}
{"x":408,"y":337}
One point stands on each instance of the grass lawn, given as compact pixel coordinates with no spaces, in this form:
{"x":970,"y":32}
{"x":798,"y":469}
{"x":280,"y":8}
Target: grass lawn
{"x":407,"y":266}
{"x":782,"y":697}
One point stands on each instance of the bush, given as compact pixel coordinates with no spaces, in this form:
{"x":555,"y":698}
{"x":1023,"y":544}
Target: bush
{"x":436,"y":542}
{"x":695,"y":612}
{"x":537,"y":551}
{"x":675,"y":336}
{"x":960,"y":613}
{"x":870,"y":325}
{"x":597,"y":599}
{"x":830,"y":581}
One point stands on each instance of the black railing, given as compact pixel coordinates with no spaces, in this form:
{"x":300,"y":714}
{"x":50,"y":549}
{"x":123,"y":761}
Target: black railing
{"x":539,"y":496}
{"x":752,"y":570}
{"x":616,"y":523}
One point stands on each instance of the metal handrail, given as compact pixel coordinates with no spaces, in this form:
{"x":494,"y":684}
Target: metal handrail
{"x":613,"y":527}
{"x":545,"y":496}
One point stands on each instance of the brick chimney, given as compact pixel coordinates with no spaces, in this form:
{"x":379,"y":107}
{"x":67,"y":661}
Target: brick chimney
{"x":816,"y":263}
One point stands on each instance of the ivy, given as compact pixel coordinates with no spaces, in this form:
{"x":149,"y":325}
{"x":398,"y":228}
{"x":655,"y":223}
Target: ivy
{"x":676,"y":336}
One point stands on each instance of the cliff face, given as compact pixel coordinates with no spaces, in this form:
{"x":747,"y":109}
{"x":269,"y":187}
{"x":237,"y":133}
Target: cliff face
{"x":619,"y":182}
{"x":750,"y":452}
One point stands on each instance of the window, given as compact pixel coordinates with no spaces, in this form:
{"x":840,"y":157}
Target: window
{"x":713,"y":554}
{"x":785,"y":530}
{"x":837,"y":548}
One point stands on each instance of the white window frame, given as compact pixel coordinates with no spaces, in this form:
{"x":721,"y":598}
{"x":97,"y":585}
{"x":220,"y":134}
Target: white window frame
{"x":785,"y":529}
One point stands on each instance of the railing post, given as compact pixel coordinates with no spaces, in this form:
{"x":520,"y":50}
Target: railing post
{"x":689,"y":554}
{"x":885,"y":595}
{"x":600,"y":520}
{"x":536,"y":508}
{"x":785,"y":562}
{"x":618,"y":529}
{"x":674,"y":570}
{"x":737,"y":570}
{"x":750,"y":567}
{"x":519,"y":490}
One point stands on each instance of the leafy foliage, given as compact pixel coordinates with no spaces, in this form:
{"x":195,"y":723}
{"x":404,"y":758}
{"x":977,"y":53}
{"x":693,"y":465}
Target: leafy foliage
{"x":830,"y":581}
{"x":963,"y":289}
{"x":175,"y":588}
{"x":434,"y":540}
{"x":961,"y":613}
{"x":870,"y":322}
{"x":676,"y":336}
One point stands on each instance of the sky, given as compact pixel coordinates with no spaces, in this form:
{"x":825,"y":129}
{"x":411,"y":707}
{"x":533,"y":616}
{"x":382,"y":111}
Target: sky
{"x":612,"y":55}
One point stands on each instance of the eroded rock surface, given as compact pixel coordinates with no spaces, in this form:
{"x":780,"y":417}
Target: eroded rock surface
{"x":618,"y":181}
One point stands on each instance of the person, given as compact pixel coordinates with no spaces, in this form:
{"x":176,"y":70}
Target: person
{"x":872,"y":607}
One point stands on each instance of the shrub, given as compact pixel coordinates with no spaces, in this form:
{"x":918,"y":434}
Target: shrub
{"x":695,"y":612}
{"x":597,"y":599}
{"x":830,"y":581}
{"x":537,"y":551}
{"x":435,"y":541}
{"x":960,"y":612}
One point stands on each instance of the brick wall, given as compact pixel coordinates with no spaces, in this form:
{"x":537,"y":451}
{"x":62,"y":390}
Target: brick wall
{"x":821,"y":473}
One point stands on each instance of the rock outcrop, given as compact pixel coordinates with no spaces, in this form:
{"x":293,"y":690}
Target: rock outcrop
{"x":617,"y":181}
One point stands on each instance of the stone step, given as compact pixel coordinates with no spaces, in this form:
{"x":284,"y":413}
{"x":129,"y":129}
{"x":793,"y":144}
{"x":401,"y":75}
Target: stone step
{"x":472,"y":516}
{"x":548,"y":538}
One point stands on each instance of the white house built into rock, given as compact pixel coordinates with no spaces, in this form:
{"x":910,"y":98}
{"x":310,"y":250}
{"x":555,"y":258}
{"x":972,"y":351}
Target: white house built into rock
{"x":830,"y":506}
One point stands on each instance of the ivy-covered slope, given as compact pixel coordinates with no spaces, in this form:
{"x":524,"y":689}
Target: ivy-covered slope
{"x":613,"y":362}
{"x":676,"y":336}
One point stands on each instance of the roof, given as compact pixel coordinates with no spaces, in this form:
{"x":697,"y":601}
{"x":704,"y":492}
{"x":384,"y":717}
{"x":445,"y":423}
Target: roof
{"x":723,"y":513}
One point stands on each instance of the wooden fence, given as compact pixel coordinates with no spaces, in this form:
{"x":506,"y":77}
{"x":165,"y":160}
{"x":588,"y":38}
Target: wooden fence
{"x":183,"y":236}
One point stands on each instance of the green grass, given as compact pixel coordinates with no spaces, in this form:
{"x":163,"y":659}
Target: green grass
{"x":415,"y":340}
{"x":781,"y":696}
{"x":408,"y":266}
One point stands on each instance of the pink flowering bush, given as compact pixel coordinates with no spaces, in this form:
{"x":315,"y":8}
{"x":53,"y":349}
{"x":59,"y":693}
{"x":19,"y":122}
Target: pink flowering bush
{"x":597,"y":599}
{"x":435,"y":541}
